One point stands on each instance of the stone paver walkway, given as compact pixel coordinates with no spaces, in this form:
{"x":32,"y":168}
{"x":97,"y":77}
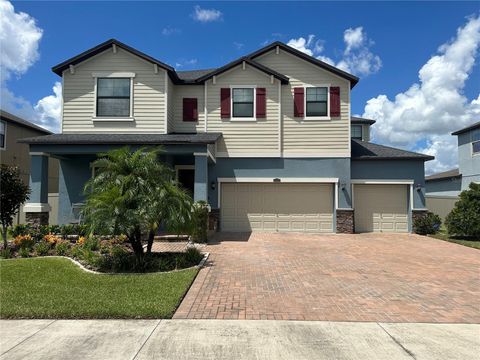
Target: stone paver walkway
{"x":365,"y":277}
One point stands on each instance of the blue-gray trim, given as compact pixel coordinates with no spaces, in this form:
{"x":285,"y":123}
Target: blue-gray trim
{"x":394,"y":170}
{"x":38,"y":179}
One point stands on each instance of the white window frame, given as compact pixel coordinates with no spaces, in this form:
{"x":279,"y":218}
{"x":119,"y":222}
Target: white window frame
{"x":361,"y":131}
{"x":97,"y":75}
{"x":4,"y":147}
{"x":254,"y":117}
{"x":305,"y":116}
{"x":474,"y":141}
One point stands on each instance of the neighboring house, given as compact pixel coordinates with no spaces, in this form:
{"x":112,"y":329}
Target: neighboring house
{"x":265,"y":140}
{"x":13,"y":128}
{"x":442,"y":189}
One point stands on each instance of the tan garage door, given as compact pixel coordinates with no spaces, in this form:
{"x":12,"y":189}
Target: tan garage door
{"x":276,"y":207}
{"x":381,"y":208}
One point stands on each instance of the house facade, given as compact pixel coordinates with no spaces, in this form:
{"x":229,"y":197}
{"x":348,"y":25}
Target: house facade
{"x":13,"y":128}
{"x":267,"y":140}
{"x":443,"y":189}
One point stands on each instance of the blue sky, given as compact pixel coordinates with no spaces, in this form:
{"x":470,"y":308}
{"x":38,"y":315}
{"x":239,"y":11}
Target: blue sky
{"x":397,"y":38}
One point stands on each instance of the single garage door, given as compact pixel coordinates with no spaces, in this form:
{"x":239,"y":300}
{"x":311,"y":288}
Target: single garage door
{"x":381,"y":208}
{"x":276,"y":207}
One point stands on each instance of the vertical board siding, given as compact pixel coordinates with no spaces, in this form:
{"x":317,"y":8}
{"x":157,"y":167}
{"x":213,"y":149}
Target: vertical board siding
{"x":188,"y":91}
{"x":148,"y":95}
{"x":244,"y":137}
{"x":301,"y":136}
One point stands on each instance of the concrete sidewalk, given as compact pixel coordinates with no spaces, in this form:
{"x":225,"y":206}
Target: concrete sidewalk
{"x":225,"y":339}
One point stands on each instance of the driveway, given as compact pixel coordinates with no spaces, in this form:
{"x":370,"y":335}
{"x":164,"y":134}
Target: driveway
{"x":366,"y":277}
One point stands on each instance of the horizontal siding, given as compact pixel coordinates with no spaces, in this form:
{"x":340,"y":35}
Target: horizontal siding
{"x":302,"y":136}
{"x":148,"y":95}
{"x":188,"y":91}
{"x":244,"y":137}
{"x":170,"y":110}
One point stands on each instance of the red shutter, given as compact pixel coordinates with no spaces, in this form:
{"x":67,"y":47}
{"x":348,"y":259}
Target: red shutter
{"x":334,"y":101}
{"x":190,"y":109}
{"x":261,"y":103}
{"x":225,"y":103}
{"x":298,"y":102}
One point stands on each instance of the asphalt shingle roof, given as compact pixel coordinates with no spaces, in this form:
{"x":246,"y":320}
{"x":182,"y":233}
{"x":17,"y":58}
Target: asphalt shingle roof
{"x":147,"y":139}
{"x":468,"y":128}
{"x":4,"y":115}
{"x":359,"y":120}
{"x":190,"y":75}
{"x":362,"y":150}
{"x":444,"y":175}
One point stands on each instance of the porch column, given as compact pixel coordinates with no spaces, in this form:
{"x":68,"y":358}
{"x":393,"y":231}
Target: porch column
{"x":37,"y":208}
{"x":200,"y":188}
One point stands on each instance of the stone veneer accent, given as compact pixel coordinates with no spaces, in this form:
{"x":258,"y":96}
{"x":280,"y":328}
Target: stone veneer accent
{"x":36,"y":218}
{"x":416,"y":214}
{"x":345,"y":223}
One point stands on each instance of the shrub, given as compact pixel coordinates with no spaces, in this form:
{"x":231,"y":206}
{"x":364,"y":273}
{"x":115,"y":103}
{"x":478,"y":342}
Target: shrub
{"x":200,"y":222}
{"x":191,"y":257}
{"x":20,"y":229}
{"x":427,"y":224}
{"x":464,"y":219}
{"x":24,"y":252}
{"x":24,"y":241}
{"x":55,"y":229}
{"x":42,"y":248}
{"x":62,"y":247}
{"x":66,"y":230}
{"x":6,"y":253}
{"x":91,"y":243}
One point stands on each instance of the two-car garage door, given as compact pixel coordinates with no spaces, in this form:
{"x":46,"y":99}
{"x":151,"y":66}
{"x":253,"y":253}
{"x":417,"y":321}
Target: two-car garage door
{"x":277,"y":207}
{"x":381,"y":208}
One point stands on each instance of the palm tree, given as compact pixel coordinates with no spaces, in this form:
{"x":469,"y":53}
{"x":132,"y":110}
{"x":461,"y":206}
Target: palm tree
{"x":133,"y":194}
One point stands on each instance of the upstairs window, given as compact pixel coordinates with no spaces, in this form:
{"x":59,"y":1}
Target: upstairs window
{"x":316,"y":101}
{"x":2,"y":135}
{"x":357,"y":132}
{"x":476,"y":142}
{"x":243,"y":102}
{"x":113,"y":97}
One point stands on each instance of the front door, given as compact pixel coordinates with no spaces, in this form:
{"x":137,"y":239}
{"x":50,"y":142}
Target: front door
{"x":186,"y":178}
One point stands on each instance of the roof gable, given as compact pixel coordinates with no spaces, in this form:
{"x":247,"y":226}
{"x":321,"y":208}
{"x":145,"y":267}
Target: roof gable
{"x":343,"y":74}
{"x":6,"y":116}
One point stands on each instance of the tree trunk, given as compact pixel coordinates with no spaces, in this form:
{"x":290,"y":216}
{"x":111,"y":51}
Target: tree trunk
{"x":151,"y":236}
{"x":135,"y":240}
{"x":4,"y":236}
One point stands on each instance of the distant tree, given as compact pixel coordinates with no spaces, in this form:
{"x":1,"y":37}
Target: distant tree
{"x":464,"y":219}
{"x":13,"y":193}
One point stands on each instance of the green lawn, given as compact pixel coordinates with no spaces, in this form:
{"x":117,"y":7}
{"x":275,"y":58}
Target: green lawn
{"x":57,"y":288}
{"x":443,"y":235}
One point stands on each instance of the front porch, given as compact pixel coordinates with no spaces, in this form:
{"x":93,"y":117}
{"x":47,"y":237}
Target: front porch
{"x":191,"y":155}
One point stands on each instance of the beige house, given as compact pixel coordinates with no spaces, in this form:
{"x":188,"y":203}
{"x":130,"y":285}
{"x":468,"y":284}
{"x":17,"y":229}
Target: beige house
{"x":12,"y":129}
{"x":267,"y":140}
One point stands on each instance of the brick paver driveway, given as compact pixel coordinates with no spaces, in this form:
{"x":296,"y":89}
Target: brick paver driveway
{"x":367,"y":277}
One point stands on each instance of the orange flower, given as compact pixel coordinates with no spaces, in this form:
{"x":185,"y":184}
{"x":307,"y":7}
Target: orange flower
{"x":81,"y":240}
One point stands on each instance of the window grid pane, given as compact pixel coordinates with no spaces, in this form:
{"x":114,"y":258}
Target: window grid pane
{"x":2,"y":140}
{"x":242,"y":99}
{"x":476,"y":135}
{"x":113,"y":97}
{"x":357,"y":132}
{"x":476,"y":147}
{"x":316,"y":101}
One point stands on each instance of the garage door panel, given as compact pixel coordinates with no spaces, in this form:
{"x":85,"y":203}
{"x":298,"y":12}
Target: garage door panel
{"x":381,"y":208}
{"x":277,"y":207}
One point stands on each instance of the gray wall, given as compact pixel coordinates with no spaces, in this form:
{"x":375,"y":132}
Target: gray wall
{"x":394,"y":170}
{"x":469,"y":165}
{"x":281,"y":167}
{"x":449,"y":184}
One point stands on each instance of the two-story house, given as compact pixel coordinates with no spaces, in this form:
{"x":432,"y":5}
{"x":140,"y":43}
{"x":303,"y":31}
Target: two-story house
{"x":267,"y":140}
{"x":442,"y":189}
{"x":13,"y":128}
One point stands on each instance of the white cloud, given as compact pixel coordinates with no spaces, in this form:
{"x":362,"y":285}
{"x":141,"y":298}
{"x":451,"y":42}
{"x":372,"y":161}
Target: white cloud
{"x":356,"y":58}
{"x":184,"y":62}
{"x":206,"y":15}
{"x":431,"y":109}
{"x":19,"y":40}
{"x":238,"y":45}
{"x":19,"y":37}
{"x":166,"y":31}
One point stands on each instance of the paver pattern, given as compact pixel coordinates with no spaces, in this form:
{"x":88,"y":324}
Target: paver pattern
{"x":361,"y":277}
